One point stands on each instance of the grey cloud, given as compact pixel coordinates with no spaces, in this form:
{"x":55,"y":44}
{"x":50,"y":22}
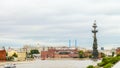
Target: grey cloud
{"x":38,"y":12}
{"x":58,"y":19}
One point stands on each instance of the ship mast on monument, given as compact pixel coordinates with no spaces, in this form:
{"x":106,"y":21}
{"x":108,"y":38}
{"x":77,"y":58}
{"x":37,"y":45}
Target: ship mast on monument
{"x":95,"y":51}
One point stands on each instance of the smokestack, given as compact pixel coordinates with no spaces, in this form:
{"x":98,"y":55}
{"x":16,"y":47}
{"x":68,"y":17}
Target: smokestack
{"x":75,"y":43}
{"x":69,"y":43}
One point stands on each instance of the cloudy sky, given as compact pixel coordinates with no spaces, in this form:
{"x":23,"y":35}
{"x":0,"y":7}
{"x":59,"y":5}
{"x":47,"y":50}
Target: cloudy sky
{"x":54,"y":22}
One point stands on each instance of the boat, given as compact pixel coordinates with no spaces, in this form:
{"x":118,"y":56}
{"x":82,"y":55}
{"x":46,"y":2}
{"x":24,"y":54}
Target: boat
{"x":10,"y":66}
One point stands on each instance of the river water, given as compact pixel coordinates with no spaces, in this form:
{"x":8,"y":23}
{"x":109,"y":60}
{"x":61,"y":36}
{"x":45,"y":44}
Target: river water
{"x":57,"y":64}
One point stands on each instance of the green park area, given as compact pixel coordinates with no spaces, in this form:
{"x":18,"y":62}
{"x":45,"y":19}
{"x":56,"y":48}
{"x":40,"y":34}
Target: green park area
{"x":107,"y":62}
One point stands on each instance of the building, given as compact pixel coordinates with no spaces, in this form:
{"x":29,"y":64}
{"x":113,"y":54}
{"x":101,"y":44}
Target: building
{"x":59,"y":52}
{"x":118,"y":51}
{"x":88,"y":53}
{"x":2,"y":55}
{"x":28,"y":48}
{"x":10,"y":52}
{"x":21,"y":56}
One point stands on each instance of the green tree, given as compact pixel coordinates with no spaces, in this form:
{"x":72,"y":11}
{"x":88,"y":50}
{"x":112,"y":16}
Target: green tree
{"x":81,"y":54}
{"x":35,"y":51}
{"x":103,"y":55}
{"x":113,"y":53}
{"x":15,"y":55}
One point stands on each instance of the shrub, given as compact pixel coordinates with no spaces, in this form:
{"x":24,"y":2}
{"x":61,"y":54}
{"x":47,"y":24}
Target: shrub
{"x":114,"y":60}
{"x":10,"y":58}
{"x":109,"y":65}
{"x":108,"y":62}
{"x":101,"y":64}
{"x":90,"y":66}
{"x":107,"y":59}
{"x":118,"y":57}
{"x":118,"y":54}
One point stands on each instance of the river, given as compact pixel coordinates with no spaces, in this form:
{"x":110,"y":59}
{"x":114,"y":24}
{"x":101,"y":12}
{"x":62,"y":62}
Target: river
{"x":57,"y":64}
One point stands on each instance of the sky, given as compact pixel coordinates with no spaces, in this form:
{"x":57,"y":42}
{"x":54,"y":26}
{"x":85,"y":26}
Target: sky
{"x":55,"y":22}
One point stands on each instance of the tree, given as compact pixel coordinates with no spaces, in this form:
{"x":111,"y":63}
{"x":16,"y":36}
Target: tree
{"x":15,"y":55}
{"x":35,"y":51}
{"x":113,"y":54}
{"x":102,"y":55}
{"x":81,"y":54}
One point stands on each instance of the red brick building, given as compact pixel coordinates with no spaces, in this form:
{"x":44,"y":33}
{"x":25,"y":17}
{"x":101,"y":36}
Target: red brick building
{"x":2,"y":55}
{"x":61,"y":52}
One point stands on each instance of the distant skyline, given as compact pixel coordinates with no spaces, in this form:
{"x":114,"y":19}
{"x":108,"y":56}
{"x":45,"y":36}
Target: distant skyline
{"x":55,"y":22}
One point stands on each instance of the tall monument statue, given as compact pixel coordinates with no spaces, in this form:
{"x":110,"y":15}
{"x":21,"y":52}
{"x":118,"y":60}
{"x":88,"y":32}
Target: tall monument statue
{"x":95,"y":51}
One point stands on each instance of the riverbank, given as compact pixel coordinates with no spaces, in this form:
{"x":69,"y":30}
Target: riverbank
{"x":29,"y":61}
{"x":67,"y":59}
{"x":55,"y":63}
{"x":69,"y":62}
